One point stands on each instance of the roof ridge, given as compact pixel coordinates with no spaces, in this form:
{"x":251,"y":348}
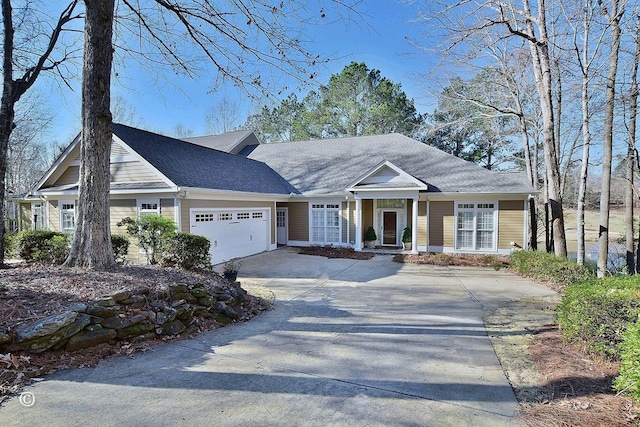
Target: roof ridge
{"x":340,"y":138}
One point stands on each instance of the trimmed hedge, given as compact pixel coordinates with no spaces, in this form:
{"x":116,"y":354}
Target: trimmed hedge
{"x":547,"y":267}
{"x":44,"y":246}
{"x":628,"y":381}
{"x":187,"y":251}
{"x":596,"y":313}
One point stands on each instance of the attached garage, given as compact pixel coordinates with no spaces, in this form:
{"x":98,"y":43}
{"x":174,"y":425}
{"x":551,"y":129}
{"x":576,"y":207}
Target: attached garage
{"x":233,"y":233}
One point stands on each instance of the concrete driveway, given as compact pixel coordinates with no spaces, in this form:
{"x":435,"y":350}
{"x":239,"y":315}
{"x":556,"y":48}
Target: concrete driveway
{"x":358,"y":343}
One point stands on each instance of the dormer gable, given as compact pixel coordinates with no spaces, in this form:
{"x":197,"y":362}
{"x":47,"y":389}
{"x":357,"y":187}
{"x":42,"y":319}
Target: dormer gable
{"x":386,"y":175}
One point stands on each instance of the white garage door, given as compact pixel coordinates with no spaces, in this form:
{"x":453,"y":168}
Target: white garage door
{"x":233,"y":233}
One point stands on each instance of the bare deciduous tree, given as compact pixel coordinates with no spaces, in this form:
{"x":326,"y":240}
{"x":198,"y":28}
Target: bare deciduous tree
{"x":223,"y":116}
{"x":123,"y":112}
{"x":630,"y":195}
{"x":15,"y":85}
{"x":613,"y":13}
{"x":28,"y":156}
{"x":467,"y":25}
{"x":586,"y":53}
{"x":181,"y":131}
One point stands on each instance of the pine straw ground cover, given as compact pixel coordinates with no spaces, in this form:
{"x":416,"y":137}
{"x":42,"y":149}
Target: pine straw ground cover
{"x":334,"y":252}
{"x":576,"y":390}
{"x":460,"y":260}
{"x":31,"y":292}
{"x":555,"y":383}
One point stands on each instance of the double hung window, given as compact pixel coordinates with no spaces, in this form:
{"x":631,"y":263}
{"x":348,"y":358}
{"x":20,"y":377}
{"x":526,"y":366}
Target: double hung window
{"x":475,"y":226}
{"x":67,"y":216}
{"x":325,"y":223}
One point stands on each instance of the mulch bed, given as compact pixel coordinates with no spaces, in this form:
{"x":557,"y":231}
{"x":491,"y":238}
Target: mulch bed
{"x":461,"y":260}
{"x":31,"y":292}
{"x":575,"y":389}
{"x":331,"y":252}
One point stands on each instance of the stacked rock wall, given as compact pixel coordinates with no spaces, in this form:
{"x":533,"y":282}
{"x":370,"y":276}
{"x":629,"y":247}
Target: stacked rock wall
{"x":127,"y":314}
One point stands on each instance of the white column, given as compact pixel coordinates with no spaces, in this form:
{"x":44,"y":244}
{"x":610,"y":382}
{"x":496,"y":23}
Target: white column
{"x":358,"y":216}
{"x":348,"y":222}
{"x":414,"y":226}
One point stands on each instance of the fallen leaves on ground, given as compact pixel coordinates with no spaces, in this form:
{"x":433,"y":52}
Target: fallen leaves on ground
{"x":31,"y":292}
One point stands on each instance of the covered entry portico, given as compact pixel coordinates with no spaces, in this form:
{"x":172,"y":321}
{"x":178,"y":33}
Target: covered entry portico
{"x":392,"y":191}
{"x":389,"y":219}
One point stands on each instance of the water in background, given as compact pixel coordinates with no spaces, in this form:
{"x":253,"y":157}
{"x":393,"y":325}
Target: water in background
{"x":616,"y":260}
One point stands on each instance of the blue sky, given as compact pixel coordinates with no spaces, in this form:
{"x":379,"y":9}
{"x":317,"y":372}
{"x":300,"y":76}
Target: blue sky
{"x":380,"y":42}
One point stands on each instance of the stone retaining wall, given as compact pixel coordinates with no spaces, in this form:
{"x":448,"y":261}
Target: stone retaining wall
{"x":126,"y":314}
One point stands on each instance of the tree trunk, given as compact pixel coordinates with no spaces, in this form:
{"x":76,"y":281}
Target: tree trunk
{"x":13,"y":89}
{"x":542,"y":71}
{"x":91,"y":247}
{"x":586,"y":143}
{"x":7,"y":111}
{"x":613,"y":16}
{"x":629,"y":199}
{"x":558,"y":106}
{"x":631,"y":158}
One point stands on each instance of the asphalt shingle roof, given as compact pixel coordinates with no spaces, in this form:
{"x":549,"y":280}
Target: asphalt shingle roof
{"x":223,"y":142}
{"x":191,"y":165}
{"x":329,"y":166}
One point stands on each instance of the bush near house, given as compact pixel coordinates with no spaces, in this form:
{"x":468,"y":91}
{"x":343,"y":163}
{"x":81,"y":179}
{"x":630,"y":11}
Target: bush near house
{"x":49,"y":247}
{"x":596,"y":313}
{"x":549,"y":268}
{"x":120,"y":245}
{"x":150,"y":231}
{"x":602,"y":316}
{"x":187,"y":251}
{"x":9,"y":241}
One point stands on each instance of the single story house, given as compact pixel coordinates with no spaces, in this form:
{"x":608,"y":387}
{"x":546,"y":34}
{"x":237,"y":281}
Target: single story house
{"x":248,"y":197}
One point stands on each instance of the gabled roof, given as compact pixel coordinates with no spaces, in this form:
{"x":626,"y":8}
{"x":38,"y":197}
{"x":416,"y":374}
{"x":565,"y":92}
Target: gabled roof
{"x":331,"y":166}
{"x":386,"y":175}
{"x":191,"y":165}
{"x":229,"y":142}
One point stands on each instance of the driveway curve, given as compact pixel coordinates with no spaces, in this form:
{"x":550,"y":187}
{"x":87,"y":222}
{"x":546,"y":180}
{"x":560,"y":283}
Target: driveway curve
{"x":358,"y":343}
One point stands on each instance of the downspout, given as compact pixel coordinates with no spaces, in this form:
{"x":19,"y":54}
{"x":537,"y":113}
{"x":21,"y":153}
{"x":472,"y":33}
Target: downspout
{"x":177,"y":208}
{"x":176,"y":212}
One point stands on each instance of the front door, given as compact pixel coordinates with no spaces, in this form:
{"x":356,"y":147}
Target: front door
{"x":281,"y":226}
{"x":390,"y":228}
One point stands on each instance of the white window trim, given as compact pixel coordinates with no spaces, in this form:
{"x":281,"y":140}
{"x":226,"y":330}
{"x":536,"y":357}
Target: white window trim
{"x":61,"y":211}
{"x":140,"y":212}
{"x":140,"y":202}
{"x":42,"y":213}
{"x":494,"y":247}
{"x":311,"y":209}
{"x":401,"y":220}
